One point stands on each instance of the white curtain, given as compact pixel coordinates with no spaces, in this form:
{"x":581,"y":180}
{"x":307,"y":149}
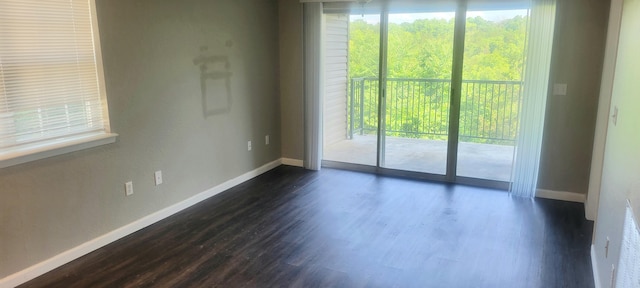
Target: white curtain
{"x":313,"y":85}
{"x":535,"y":90}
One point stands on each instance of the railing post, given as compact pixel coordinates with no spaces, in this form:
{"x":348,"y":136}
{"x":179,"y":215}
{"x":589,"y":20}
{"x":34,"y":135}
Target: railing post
{"x":362,"y":106}
{"x":351,"y":106}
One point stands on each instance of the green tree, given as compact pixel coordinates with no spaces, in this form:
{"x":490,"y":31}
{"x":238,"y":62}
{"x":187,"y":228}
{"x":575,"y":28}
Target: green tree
{"x":423,"y":49}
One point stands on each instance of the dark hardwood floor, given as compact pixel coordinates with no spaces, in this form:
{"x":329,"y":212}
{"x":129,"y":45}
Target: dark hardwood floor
{"x":334,"y":228}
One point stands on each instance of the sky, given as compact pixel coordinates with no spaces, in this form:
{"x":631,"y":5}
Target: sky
{"x":410,"y":17}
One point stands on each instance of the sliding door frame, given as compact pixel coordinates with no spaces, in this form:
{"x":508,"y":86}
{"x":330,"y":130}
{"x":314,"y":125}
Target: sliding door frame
{"x":382,"y":85}
{"x":454,"y":113}
{"x":459,"y":33}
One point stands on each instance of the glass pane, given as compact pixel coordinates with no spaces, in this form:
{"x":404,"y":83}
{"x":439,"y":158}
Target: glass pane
{"x":420,"y":55}
{"x":491,"y":92}
{"x":352,"y":45}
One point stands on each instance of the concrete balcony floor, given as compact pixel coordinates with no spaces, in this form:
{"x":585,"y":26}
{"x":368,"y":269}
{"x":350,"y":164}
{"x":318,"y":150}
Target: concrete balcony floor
{"x":475,"y":160}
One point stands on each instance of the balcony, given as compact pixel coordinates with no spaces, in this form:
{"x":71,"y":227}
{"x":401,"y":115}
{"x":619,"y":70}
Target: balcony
{"x":417,"y":125}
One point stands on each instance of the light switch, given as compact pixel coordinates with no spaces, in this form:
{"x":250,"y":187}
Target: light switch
{"x":560,"y":89}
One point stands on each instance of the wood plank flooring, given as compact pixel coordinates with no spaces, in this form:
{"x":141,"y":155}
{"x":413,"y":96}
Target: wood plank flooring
{"x":295,"y":228}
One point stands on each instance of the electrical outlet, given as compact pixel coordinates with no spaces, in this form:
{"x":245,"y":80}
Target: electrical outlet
{"x":158,"y":176}
{"x":249,"y":145}
{"x":128,"y":188}
{"x":266,"y":140}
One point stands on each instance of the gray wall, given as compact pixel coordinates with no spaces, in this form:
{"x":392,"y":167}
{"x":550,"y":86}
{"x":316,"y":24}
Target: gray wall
{"x":52,"y":205}
{"x":570,"y":120}
{"x":578,"y":53}
{"x":620,"y":179}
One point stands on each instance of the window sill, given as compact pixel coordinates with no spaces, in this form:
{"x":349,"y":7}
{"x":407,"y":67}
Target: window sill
{"x":52,"y":148}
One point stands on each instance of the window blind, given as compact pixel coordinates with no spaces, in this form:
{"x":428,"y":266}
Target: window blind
{"x":49,"y":86}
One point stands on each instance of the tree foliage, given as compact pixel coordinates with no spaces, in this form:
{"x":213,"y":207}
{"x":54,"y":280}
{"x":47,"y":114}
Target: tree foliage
{"x":423,"y":49}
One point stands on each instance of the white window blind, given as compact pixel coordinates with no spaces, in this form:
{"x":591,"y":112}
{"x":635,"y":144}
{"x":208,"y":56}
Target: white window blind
{"x":49,"y":84}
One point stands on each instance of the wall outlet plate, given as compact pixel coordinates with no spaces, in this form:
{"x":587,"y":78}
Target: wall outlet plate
{"x":158,"y":177}
{"x":128,"y":188}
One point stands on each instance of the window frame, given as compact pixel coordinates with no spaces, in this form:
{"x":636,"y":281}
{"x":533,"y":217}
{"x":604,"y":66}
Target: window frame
{"x":29,"y":152}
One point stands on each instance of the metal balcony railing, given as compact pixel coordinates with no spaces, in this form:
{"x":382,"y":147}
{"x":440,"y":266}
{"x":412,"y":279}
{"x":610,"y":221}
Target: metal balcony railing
{"x":419,"y":108}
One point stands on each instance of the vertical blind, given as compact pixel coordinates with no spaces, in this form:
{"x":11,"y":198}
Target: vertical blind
{"x":313,"y":91}
{"x":535,"y":90}
{"x":49,"y":85}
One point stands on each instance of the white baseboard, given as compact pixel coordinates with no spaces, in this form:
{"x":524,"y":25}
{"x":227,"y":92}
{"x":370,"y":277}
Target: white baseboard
{"x":561,"y":195}
{"x":292,"y":162}
{"x":54,"y":262}
{"x":594,"y":267}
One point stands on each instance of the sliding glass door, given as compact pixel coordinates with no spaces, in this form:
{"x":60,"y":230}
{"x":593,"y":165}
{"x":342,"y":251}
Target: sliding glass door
{"x":418,"y":91}
{"x":491,"y":92}
{"x":432,"y":88}
{"x":350,"y":108}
